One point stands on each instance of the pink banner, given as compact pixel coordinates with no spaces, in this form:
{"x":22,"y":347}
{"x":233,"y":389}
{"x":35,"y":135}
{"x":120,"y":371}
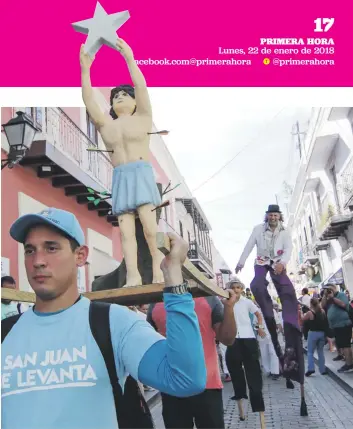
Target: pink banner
{"x":184,"y":43}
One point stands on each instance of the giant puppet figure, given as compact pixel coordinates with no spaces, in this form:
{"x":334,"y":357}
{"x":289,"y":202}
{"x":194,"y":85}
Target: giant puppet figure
{"x":125,"y":133}
{"x":274,"y":246}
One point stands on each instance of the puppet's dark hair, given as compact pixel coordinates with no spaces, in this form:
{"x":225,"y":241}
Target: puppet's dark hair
{"x":126,"y":88}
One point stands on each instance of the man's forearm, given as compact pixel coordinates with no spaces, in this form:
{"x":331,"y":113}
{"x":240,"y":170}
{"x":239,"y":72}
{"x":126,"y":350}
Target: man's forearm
{"x":136,"y":75}
{"x":181,"y":370}
{"x":248,"y":249}
{"x":323,"y":302}
{"x":260,"y":320}
{"x":177,"y":366}
{"x":173,"y":276}
{"x":339,"y":303}
{"x":228,"y":328}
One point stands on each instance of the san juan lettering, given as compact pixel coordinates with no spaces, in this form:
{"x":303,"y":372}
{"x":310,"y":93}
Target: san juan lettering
{"x":76,"y":372}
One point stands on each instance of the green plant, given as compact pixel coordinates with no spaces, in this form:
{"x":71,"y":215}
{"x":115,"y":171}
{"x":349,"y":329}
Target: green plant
{"x":326,"y":216}
{"x":97,"y":197}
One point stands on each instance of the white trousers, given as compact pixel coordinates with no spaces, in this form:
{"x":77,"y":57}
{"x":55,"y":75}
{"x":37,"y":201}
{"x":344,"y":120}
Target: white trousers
{"x":221,"y":349}
{"x":269,"y":359}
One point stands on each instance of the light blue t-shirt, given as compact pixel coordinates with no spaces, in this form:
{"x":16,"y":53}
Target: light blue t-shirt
{"x":54,"y":376}
{"x":13,"y":309}
{"x":8,"y":310}
{"x":338,"y":317}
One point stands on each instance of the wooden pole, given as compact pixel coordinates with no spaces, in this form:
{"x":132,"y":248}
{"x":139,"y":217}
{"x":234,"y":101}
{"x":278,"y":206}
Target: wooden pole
{"x":262,"y":420}
{"x":303,"y":407}
{"x":200,"y":286}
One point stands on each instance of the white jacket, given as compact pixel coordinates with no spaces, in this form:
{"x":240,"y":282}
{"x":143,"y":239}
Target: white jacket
{"x":282,"y":245}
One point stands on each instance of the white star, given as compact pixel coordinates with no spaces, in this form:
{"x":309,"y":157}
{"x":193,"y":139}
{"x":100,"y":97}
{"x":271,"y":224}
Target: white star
{"x":101,"y":29}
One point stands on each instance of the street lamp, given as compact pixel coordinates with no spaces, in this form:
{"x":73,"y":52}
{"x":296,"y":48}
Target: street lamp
{"x":20,"y":132}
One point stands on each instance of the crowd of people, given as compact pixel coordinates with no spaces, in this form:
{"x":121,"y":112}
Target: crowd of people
{"x":327,"y":319}
{"x":179,"y":346}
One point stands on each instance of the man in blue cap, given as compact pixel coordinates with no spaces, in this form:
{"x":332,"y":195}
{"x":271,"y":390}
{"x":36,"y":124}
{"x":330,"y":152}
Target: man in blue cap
{"x":53,"y":373}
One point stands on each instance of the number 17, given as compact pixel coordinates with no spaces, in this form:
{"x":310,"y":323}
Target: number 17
{"x":328,"y":22}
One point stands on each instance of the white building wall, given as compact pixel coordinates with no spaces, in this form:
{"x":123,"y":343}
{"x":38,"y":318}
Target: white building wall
{"x":219,"y":264}
{"x":316,"y":191}
{"x":165,"y":160}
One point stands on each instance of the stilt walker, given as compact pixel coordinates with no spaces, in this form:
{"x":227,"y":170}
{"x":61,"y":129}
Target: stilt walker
{"x":274,"y":246}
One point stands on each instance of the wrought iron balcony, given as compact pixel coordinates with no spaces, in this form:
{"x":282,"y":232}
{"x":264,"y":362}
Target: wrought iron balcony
{"x":310,"y":253}
{"x":345,"y":186}
{"x":59,"y":154}
{"x":67,"y":137}
{"x":197,"y":253}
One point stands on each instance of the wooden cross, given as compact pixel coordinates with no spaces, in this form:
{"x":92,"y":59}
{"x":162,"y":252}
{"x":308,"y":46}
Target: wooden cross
{"x":145,"y":294}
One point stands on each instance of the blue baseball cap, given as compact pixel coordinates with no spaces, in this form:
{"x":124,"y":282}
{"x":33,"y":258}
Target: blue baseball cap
{"x":59,"y":219}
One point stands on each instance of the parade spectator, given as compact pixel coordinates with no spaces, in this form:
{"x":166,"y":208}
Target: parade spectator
{"x":336,"y":304}
{"x":278,"y":318}
{"x":56,"y":334}
{"x":217,"y":322}
{"x":10,"y":308}
{"x":305,"y":300}
{"x":243,"y":353}
{"x":330,"y":335}
{"x":318,"y":327}
{"x":221,"y":350}
{"x":143,"y":309}
{"x":248,"y":294}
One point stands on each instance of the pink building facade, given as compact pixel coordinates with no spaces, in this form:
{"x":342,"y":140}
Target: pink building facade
{"x":56,"y":172}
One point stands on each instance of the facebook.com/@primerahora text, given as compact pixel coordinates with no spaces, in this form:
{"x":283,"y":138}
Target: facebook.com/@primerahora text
{"x":234,"y":62}
{"x":194,"y":62}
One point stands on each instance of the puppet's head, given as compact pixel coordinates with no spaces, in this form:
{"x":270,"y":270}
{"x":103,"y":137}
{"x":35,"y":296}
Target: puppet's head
{"x":122,"y":100}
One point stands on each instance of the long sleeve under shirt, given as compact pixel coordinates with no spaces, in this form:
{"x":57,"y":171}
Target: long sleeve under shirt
{"x":54,"y":376}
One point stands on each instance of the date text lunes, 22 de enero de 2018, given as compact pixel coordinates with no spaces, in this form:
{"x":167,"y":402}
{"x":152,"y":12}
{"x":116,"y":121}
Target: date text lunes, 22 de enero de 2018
{"x":282,"y":41}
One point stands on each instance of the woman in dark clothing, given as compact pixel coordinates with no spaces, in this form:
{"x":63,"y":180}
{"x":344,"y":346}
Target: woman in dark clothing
{"x":318,"y":326}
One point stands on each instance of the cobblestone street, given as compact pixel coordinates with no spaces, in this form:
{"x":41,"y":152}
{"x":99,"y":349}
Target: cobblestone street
{"x":329,"y":406}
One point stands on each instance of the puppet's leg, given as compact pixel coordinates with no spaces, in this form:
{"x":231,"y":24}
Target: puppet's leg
{"x":286,"y":293}
{"x":129,"y":245}
{"x":259,"y":289}
{"x":294,"y":356}
{"x":149,"y":223}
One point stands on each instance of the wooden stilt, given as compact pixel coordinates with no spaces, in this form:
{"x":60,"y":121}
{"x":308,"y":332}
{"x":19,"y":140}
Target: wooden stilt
{"x":289,"y":383}
{"x":241,"y":411}
{"x":262,"y":420}
{"x":303,"y":407}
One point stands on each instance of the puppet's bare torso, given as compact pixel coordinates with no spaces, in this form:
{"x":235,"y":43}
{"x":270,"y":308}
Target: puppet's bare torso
{"x":128,"y":137}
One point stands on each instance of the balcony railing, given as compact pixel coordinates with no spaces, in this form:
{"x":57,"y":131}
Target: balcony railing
{"x":329,"y":209}
{"x":309,"y":251}
{"x":67,"y":137}
{"x":197,"y":252}
{"x":345,"y":185}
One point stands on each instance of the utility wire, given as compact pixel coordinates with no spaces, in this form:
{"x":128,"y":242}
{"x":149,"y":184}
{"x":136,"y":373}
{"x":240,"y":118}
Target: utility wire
{"x":240,"y":151}
{"x":243,"y":190}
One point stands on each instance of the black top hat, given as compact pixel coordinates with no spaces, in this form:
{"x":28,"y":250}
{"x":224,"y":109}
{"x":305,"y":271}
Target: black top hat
{"x":273,"y":208}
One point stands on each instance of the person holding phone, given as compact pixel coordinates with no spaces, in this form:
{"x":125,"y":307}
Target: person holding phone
{"x":337,"y":313}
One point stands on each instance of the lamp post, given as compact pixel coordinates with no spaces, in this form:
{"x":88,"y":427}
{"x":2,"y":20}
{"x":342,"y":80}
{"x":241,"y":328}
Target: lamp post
{"x":20,"y":132}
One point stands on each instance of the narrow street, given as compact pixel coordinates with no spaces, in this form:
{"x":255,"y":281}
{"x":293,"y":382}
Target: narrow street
{"x":329,"y":406}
